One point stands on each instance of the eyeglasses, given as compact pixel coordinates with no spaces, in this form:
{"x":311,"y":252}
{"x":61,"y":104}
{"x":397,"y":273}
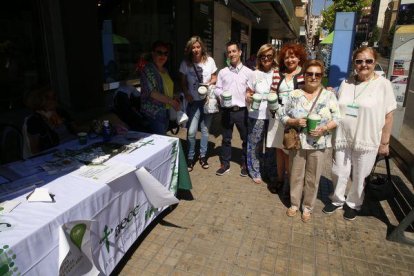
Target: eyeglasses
{"x":268,"y":57}
{"x":161,"y":53}
{"x":367,"y":61}
{"x":313,"y":75}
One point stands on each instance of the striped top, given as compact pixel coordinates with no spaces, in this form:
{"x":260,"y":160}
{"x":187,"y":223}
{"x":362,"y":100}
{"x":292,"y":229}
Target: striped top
{"x":298,"y":80}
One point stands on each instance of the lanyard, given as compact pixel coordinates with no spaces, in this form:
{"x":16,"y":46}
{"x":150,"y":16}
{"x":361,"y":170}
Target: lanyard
{"x":363,"y":89}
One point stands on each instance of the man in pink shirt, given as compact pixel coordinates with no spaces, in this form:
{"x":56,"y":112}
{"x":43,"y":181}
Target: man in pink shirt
{"x":234,"y":80}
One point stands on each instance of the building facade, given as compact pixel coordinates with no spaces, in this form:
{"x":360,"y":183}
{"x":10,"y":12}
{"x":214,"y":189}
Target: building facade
{"x":82,"y":49}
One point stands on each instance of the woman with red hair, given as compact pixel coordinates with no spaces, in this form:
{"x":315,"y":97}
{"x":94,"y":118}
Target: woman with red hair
{"x":288,"y":78}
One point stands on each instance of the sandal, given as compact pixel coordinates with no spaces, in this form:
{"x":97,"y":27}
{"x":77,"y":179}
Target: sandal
{"x":203,"y":163}
{"x":291,"y":212}
{"x":306,"y":216}
{"x":190,"y":165}
{"x":257,"y":180}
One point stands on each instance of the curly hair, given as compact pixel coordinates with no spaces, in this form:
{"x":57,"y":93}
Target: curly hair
{"x":291,"y":48}
{"x":263,"y":49}
{"x":188,"y":53}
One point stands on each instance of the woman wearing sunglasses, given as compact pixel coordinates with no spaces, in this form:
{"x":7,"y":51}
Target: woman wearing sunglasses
{"x":258,"y":118}
{"x":312,"y":106}
{"x":288,"y":78}
{"x":366,"y":102}
{"x":197,"y":68}
{"x":157,"y":90}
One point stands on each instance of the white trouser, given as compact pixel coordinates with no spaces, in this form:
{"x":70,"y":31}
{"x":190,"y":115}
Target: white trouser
{"x":362,"y":163}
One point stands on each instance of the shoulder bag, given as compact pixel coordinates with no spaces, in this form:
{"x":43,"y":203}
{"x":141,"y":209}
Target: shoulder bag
{"x":291,"y":139}
{"x":211,"y":105}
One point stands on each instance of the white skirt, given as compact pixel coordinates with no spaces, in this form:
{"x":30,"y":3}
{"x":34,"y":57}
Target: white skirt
{"x":275,"y":133}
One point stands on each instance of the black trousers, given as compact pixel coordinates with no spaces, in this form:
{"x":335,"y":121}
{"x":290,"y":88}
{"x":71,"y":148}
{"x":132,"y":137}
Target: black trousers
{"x":229,"y":118}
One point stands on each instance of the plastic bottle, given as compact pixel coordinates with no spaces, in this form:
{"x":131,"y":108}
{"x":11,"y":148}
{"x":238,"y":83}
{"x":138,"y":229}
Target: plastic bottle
{"x":106,"y":131}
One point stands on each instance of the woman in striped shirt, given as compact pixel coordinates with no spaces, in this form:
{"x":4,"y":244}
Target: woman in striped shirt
{"x":288,"y":78}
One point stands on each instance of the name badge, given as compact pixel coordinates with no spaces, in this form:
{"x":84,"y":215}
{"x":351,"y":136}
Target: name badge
{"x":352,"y":110}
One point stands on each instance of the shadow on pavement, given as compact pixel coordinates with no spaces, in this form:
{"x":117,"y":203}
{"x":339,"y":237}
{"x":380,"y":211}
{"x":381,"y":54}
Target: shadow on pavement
{"x":141,"y":238}
{"x":325,"y":190}
{"x":169,"y":224}
{"x":184,"y":194}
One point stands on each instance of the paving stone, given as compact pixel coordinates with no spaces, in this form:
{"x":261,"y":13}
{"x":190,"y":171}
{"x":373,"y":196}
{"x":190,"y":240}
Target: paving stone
{"x":236,"y":227}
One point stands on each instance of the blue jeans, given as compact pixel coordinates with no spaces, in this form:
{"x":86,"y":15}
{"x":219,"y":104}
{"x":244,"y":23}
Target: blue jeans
{"x":195,"y":112}
{"x":159,"y":124}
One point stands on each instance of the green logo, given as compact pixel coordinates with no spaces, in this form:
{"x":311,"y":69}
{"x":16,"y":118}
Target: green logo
{"x":144,"y":143}
{"x":76,"y":234}
{"x":7,"y":262}
{"x":4,"y":226}
{"x":149,"y":212}
{"x":105,"y":238}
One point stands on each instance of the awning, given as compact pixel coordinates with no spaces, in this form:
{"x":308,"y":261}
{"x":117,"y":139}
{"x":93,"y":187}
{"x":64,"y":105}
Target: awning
{"x":117,"y":39}
{"x":284,"y":10}
{"x":328,"y":39}
{"x":243,"y":7}
{"x":407,"y":29}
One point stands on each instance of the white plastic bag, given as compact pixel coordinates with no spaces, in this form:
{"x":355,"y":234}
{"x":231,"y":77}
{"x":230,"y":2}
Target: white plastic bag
{"x":211,"y":105}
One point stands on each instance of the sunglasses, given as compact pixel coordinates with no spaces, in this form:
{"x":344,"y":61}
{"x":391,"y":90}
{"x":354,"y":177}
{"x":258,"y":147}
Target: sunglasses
{"x":314,"y":75}
{"x":268,"y":57}
{"x":161,"y":53}
{"x":367,"y":61}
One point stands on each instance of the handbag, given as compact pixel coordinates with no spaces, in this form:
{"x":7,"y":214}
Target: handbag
{"x":291,"y":139}
{"x":379,"y":187}
{"x":173,"y":125}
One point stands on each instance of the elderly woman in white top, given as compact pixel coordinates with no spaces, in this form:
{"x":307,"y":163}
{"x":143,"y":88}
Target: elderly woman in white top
{"x":367,"y":103}
{"x":259,"y":118}
{"x":307,"y":162}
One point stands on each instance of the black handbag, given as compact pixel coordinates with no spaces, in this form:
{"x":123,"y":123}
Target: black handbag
{"x":379,"y":187}
{"x":173,"y":127}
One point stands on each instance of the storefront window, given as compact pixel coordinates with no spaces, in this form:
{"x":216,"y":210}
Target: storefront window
{"x":401,"y":76}
{"x":23,"y":59}
{"x":128,"y":30}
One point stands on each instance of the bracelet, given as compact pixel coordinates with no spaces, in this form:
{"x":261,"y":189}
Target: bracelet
{"x":385,"y":144}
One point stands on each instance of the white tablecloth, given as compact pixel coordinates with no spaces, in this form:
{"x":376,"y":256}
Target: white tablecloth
{"x":120,"y":212}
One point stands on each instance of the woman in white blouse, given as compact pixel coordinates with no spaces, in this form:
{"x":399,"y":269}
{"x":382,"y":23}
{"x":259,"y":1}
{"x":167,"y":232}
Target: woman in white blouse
{"x":366,"y":103}
{"x":197,"y":68}
{"x":307,"y":162}
{"x":259,"y":118}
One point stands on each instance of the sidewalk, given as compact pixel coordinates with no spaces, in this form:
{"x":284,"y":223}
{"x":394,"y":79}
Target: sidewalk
{"x":236,"y":227}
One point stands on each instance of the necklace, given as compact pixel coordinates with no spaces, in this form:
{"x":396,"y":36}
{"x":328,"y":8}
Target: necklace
{"x":311,"y":96}
{"x":363,"y":88}
{"x":291,"y":75}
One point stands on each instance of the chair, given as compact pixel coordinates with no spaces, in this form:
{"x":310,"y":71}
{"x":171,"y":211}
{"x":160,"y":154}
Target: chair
{"x":11,"y":143}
